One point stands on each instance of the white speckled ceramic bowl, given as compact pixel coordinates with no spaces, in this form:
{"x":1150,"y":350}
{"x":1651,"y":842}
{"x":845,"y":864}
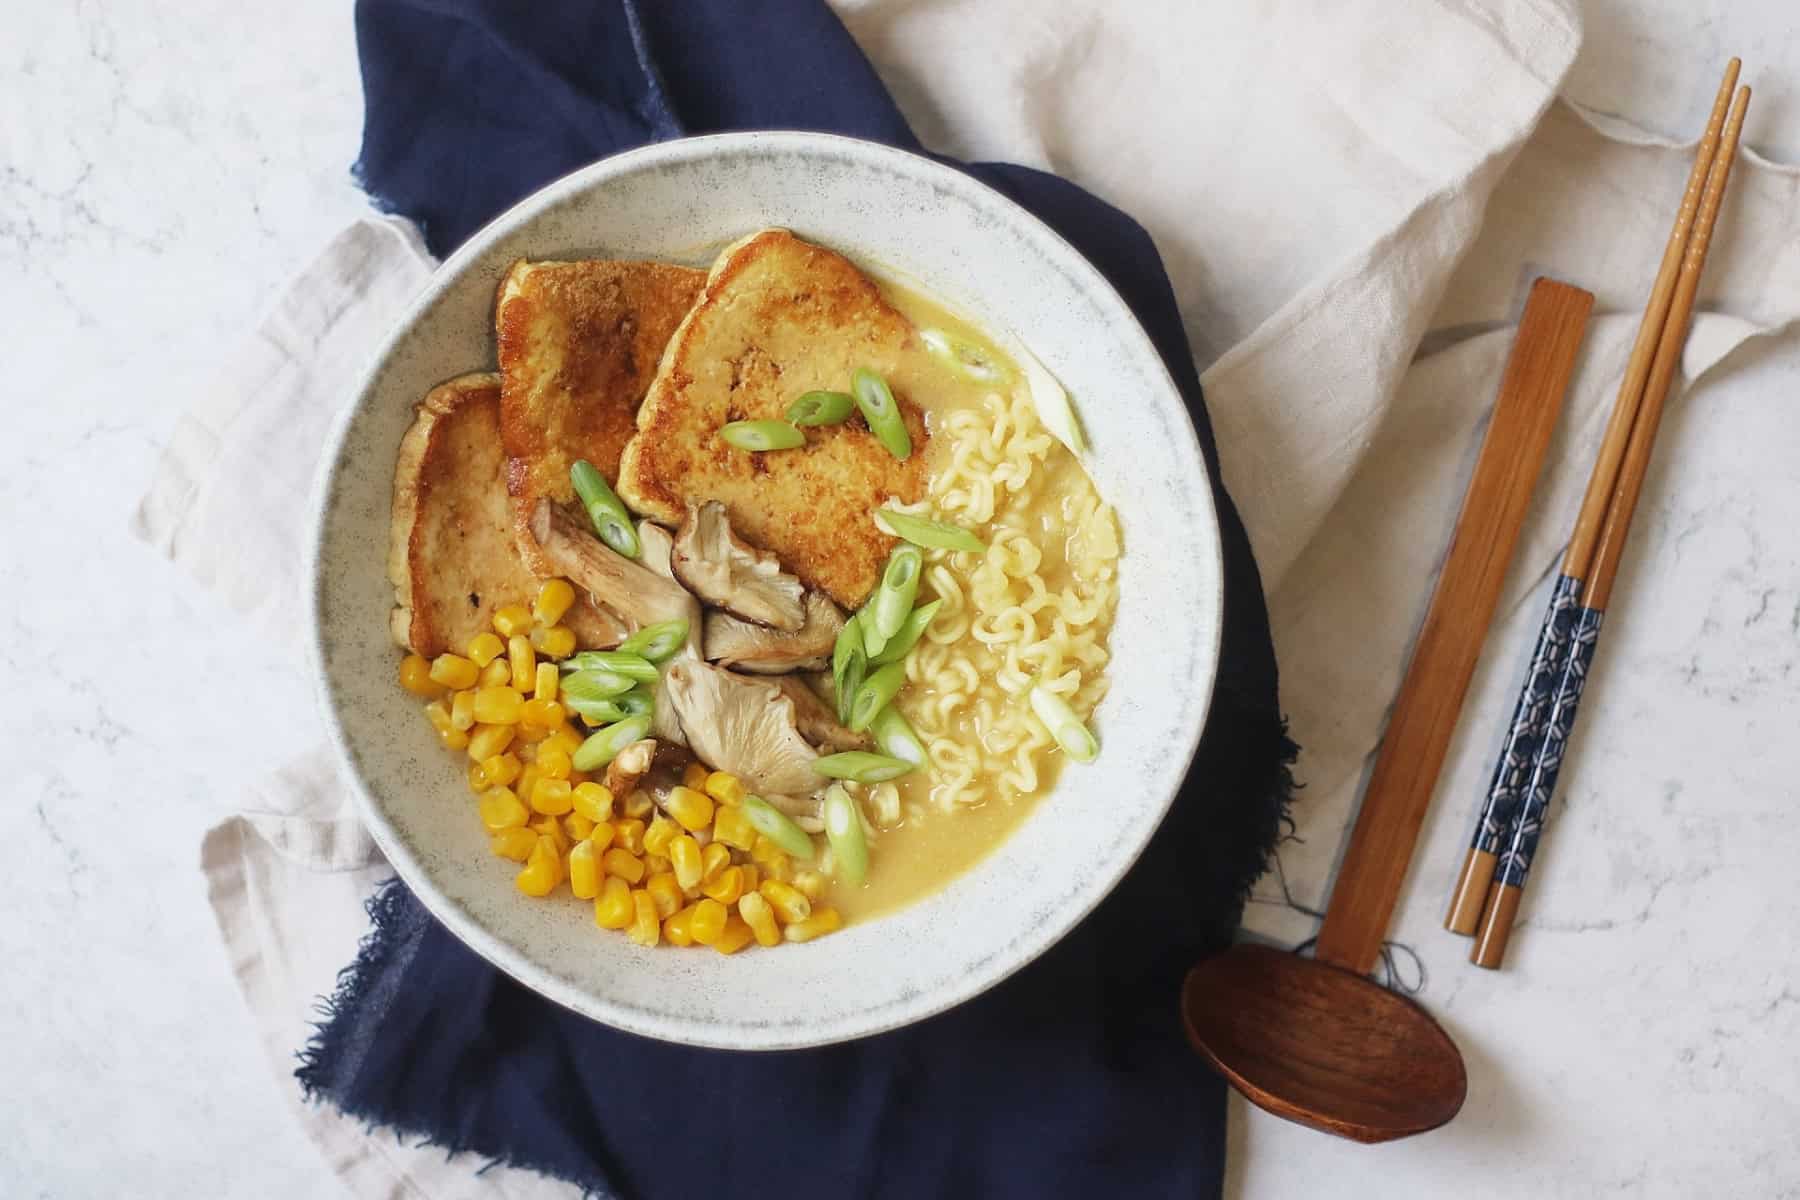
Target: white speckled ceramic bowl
{"x":985,"y":257}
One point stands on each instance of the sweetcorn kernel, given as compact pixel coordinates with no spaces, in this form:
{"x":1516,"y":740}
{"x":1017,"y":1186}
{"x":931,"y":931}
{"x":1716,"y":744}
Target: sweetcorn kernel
{"x":584,"y":871}
{"x":675,"y":928}
{"x":552,"y":762}
{"x":553,"y":797}
{"x":484,"y":648}
{"x":546,"y":826}
{"x":660,"y":832}
{"x":684,"y":854}
{"x":501,"y":769}
{"x":725,"y":787}
{"x":811,"y":884}
{"x":733,"y":828}
{"x":693,"y":809}
{"x":485,"y":741}
{"x":511,"y":619}
{"x":578,"y":827}
{"x":553,"y":600}
{"x":657,"y":864}
{"x":734,"y":937}
{"x":478,"y":778}
{"x":694,"y":775}
{"x":523,"y":660}
{"x":708,"y":922}
{"x":714,"y":857}
{"x":415,"y":677}
{"x":543,"y":870}
{"x":528,"y":779}
{"x":666,"y":892}
{"x":593,"y":801}
{"x":601,"y":836}
{"x":760,"y":917}
{"x":516,"y":843}
{"x":623,"y":864}
{"x":726,"y":888}
{"x":646,"y":926}
{"x":548,"y":680}
{"x":564,"y":736}
{"x":497,"y":673}
{"x":613,"y":907}
{"x":501,"y":810}
{"x":752,"y":877}
{"x":822,"y":922}
{"x":638,"y":804}
{"x":790,"y":903}
{"x":558,"y":641}
{"x":454,"y":671}
{"x":630,"y":834}
{"x":497,"y":705}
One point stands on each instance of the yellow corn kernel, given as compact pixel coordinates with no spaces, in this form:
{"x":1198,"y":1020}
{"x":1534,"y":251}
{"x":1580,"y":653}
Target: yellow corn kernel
{"x":516,"y":843}
{"x":553,"y":600}
{"x":675,"y":928}
{"x":790,"y":903}
{"x":498,"y":706}
{"x":484,"y":648}
{"x":811,"y":884}
{"x":530,"y":731}
{"x":546,"y":715}
{"x":708,"y":922}
{"x":624,"y":864}
{"x":511,"y":619}
{"x":694,"y":776}
{"x":666,"y":892}
{"x":478,"y":779}
{"x":732,"y":827}
{"x":439,"y":715}
{"x":657,"y":864}
{"x":593,"y":801}
{"x":462,"y":710}
{"x":526,"y":750}
{"x":725,"y":787}
{"x":497,"y":673}
{"x":454,"y":739}
{"x":771,"y":858}
{"x":577,"y":827}
{"x":726,"y":888}
{"x":501,"y":769}
{"x":415,"y":677}
{"x":630,"y":835}
{"x":553,"y":763}
{"x":602,"y":835}
{"x":528,"y":779}
{"x":552,"y":796}
{"x":548,"y":678}
{"x":734,"y":937}
{"x":546,"y":826}
{"x":713,"y":859}
{"x":564,"y":736}
{"x":760,"y":917}
{"x":454,"y":671}
{"x":558,"y":641}
{"x":659,"y":834}
{"x":613,"y":907}
{"x":752,"y":877}
{"x":584,"y":871}
{"x":501,"y":810}
{"x":646,"y":926}
{"x":684,"y":854}
{"x":822,"y":922}
{"x":543,"y":870}
{"x":638,"y":804}
{"x":485,"y":741}
{"x":523,"y":660}
{"x":693,"y":809}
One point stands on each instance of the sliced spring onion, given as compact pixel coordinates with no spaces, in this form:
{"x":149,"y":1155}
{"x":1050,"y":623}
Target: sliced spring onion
{"x":843,"y":829}
{"x":762,"y":435}
{"x":777,"y":826}
{"x":859,"y":766}
{"x":604,"y":508}
{"x":881,"y":412}
{"x":638,"y":702}
{"x":822,"y":408}
{"x":1076,"y":740}
{"x":849,"y":663}
{"x":923,"y":531}
{"x":894,"y":734}
{"x":657,"y":642}
{"x":967,"y":357}
{"x":597,"y":712}
{"x":605,"y":745}
{"x":873,"y":642}
{"x":613,"y":662}
{"x":595,"y":685}
{"x":910,"y":632}
{"x":1053,"y":406}
{"x":893,"y":600}
{"x":881,"y":686}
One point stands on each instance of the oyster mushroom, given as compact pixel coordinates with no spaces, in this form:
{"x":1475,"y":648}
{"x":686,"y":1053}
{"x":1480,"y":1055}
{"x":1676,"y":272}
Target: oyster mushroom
{"x":729,"y":573}
{"x":746,"y":646}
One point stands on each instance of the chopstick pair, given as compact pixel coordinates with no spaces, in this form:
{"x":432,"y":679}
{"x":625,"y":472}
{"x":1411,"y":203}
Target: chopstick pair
{"x":1512,"y":817}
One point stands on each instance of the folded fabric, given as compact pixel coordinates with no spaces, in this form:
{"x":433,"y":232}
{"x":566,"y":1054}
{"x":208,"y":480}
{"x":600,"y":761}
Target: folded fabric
{"x":1052,"y":1083}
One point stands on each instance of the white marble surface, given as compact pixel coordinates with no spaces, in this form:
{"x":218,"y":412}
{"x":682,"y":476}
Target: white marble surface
{"x":163,"y":167}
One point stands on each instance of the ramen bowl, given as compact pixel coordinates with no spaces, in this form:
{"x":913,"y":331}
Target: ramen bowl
{"x":991,"y":262}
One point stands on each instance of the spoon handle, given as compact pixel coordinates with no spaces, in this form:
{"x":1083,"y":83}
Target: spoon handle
{"x":1456,"y":624}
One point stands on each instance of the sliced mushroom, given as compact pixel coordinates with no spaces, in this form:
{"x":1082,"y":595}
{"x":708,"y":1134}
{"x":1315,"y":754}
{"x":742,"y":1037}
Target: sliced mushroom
{"x":747,"y":646}
{"x":631,"y":765}
{"x":815,"y":720}
{"x":724,"y":570}
{"x":742,"y":725}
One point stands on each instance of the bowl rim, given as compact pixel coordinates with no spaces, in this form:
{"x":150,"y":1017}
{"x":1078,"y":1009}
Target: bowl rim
{"x":500,"y":953}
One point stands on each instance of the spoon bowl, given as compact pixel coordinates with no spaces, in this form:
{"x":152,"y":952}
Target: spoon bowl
{"x":1322,"y":1046}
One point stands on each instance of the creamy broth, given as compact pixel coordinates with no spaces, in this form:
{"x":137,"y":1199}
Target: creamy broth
{"x":946,"y":827}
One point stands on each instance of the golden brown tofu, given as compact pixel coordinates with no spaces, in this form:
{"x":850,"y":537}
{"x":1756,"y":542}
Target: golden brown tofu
{"x":451,"y":553}
{"x":778,"y":317}
{"x":578,"y":343}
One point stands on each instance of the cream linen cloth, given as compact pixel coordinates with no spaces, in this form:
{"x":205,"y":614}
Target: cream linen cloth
{"x":1350,"y":200}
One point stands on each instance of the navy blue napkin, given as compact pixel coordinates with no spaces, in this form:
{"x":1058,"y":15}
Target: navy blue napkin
{"x":1072,"y":1078}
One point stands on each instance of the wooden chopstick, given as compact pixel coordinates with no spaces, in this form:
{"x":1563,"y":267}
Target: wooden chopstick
{"x":1515,"y":863}
{"x":1518,"y":751}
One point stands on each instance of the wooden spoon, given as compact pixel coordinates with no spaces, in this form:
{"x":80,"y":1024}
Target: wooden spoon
{"x":1315,"y":1040}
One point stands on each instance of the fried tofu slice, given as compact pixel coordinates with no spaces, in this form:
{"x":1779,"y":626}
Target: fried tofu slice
{"x":578,"y":343}
{"x":451,"y":553}
{"x":778,"y":317}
